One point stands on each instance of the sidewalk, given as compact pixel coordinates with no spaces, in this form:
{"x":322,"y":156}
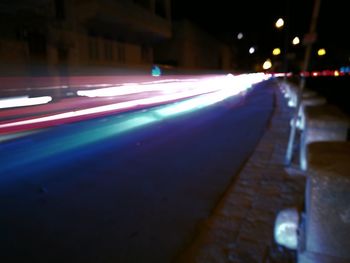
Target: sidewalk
{"x":240,"y":229}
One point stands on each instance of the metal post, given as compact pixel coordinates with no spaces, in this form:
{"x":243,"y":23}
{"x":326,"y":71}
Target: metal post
{"x":312,"y":32}
{"x":286,"y":38}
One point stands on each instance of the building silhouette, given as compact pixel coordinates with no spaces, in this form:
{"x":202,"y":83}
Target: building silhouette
{"x":49,"y":37}
{"x":92,"y":37}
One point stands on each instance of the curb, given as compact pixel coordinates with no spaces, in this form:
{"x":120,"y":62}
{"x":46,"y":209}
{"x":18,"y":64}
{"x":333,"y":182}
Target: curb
{"x":240,"y":228}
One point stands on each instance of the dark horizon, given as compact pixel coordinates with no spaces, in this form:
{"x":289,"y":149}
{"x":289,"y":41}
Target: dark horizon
{"x":68,"y":33}
{"x":256,"y":20}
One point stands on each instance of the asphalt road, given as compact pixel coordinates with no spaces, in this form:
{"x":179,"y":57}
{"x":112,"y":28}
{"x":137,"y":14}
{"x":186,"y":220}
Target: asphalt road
{"x":94,"y":192}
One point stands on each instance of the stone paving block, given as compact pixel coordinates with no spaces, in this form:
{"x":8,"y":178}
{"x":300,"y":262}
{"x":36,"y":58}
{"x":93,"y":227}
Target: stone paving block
{"x":250,"y":167}
{"x":259,"y":160}
{"x":279,"y":154}
{"x":296,"y":185}
{"x":210,"y":254}
{"x":250,"y":250}
{"x":234,"y":214}
{"x":263,"y":236}
{"x":258,"y":166}
{"x":244,"y":182}
{"x":252,"y":176}
{"x":280,"y":145}
{"x":274,"y":176}
{"x":233,"y":257}
{"x":269,"y":191}
{"x":223,"y":222}
{"x":221,"y":236}
{"x":251,"y":191}
{"x":270,"y":204}
{"x":240,"y":197}
{"x":262,"y":215}
{"x":255,"y":224}
{"x":240,"y":203}
{"x":274,"y":167}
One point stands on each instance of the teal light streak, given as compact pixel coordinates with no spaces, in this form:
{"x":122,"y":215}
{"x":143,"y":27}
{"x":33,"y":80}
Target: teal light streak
{"x":87,"y":133}
{"x":193,"y":104}
{"x":85,"y":136}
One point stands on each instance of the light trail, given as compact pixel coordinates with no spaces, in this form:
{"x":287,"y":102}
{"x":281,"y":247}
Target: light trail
{"x":217,"y":88}
{"x":23,"y":101}
{"x":132,"y":88}
{"x":85,"y":134}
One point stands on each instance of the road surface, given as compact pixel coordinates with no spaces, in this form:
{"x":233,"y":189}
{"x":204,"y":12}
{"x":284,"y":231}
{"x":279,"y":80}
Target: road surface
{"x":93,"y":191}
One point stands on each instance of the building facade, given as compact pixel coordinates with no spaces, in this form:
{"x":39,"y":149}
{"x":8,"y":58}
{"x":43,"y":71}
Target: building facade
{"x":76,"y":36}
{"x":192,"y":48}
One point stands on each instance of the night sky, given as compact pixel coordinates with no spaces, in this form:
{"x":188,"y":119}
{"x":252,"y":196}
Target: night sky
{"x":225,"y":19}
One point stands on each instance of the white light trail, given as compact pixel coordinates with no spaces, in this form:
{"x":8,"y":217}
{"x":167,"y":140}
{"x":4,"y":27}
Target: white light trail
{"x":23,"y":101}
{"x":216,"y":88}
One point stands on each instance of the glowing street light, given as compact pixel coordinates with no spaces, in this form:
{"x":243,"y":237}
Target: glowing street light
{"x":279,"y":23}
{"x":296,"y":41}
{"x":240,"y":35}
{"x":251,"y":50}
{"x":321,"y":52}
{"x":276,"y":51}
{"x":267,"y":64}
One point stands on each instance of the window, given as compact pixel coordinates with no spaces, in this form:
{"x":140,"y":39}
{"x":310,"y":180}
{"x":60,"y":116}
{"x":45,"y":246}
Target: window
{"x":60,"y":10}
{"x":93,"y":48}
{"x":143,"y":3}
{"x":160,"y":8}
{"x":145,"y":54}
{"x":108,"y":50}
{"x":37,"y":43}
{"x":121,"y":53}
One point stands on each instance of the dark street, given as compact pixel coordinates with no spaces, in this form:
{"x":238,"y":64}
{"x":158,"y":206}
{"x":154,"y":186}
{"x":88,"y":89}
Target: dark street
{"x":83,"y":193}
{"x":174,"y":131}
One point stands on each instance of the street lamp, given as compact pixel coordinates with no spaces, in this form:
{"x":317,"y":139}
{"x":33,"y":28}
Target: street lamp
{"x":279,"y":23}
{"x":276,"y":51}
{"x":240,"y":36}
{"x":267,"y":64}
{"x":296,"y":41}
{"x":251,"y":50}
{"x":321,"y":52}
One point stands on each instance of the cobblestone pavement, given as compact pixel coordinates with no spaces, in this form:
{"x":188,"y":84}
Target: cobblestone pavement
{"x":241,"y":226}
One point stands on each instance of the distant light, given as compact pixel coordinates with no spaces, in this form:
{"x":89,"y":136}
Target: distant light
{"x":279,"y":23}
{"x":296,"y":41}
{"x":344,"y":70}
{"x":321,"y":52}
{"x":240,"y":36}
{"x":267,"y":64}
{"x":23,"y":101}
{"x":305,"y":74}
{"x":336,"y":73}
{"x":276,"y":51}
{"x":251,"y":50}
{"x":156,"y":72}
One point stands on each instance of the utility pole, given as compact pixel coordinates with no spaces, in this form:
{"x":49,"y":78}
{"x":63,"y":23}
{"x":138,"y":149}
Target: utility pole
{"x":312,"y":36}
{"x":286,"y":37}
